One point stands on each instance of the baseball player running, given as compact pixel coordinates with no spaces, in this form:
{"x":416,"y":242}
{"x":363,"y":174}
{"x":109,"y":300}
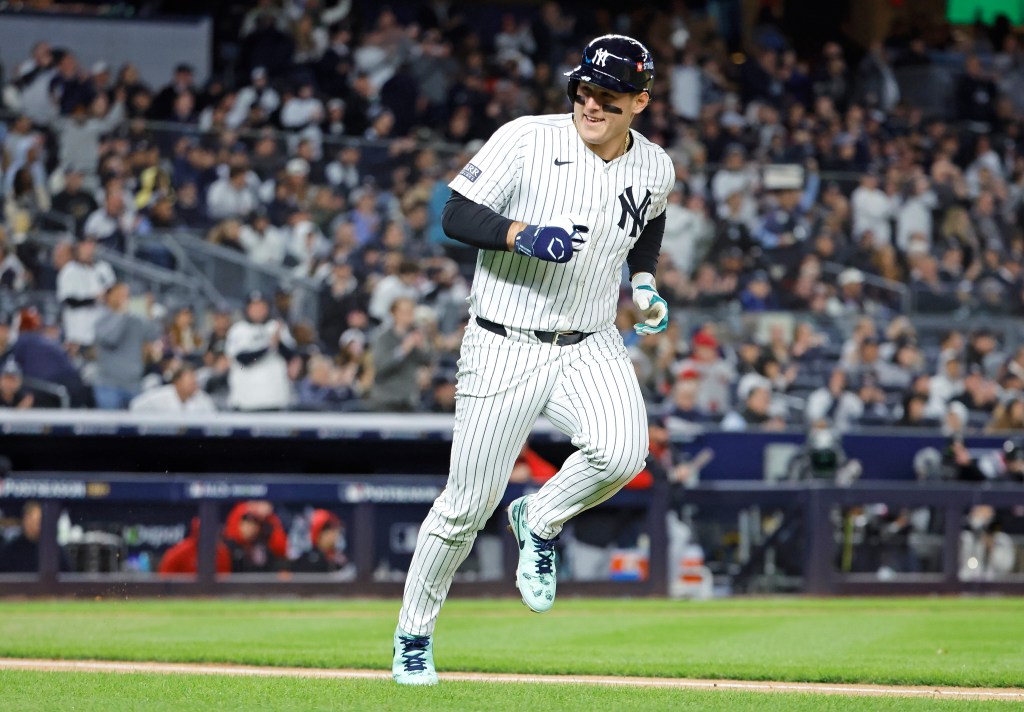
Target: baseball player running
{"x":556,"y":204}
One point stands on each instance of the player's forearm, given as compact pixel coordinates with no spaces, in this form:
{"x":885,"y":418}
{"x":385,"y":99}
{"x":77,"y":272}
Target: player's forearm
{"x":477,"y":225}
{"x":644,"y":255}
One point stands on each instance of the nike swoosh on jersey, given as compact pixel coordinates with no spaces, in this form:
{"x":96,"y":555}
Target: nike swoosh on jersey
{"x":561,"y":163}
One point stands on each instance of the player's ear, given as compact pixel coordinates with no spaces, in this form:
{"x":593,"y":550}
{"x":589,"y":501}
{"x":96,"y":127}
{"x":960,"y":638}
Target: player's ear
{"x":640,"y":102}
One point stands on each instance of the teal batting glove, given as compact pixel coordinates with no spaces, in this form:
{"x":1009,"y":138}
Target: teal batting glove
{"x":650,"y":303}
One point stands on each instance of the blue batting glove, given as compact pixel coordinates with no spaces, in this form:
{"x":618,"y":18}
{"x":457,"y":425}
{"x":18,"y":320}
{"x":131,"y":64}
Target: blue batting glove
{"x":555,"y":241}
{"x":651,"y":304}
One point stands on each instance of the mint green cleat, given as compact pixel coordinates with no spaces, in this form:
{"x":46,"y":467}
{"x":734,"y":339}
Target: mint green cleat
{"x":413,"y":663}
{"x":535,"y":574}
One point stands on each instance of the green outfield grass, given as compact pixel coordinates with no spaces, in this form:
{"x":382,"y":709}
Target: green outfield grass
{"x":973,"y":642}
{"x":93,"y":692}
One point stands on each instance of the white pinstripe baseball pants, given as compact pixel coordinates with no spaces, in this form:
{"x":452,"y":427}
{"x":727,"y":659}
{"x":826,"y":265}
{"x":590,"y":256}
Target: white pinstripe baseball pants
{"x":588,"y":391}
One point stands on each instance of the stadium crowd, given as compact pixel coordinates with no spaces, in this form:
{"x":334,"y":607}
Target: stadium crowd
{"x":812,"y":200}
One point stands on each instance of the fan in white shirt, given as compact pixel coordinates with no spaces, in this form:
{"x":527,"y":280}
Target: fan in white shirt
{"x":181,"y":395}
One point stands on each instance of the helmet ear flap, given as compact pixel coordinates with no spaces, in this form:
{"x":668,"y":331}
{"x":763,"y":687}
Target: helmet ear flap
{"x":572,"y":89}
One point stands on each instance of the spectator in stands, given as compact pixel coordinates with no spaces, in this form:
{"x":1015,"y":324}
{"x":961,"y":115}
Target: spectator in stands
{"x":1008,"y":415}
{"x":13,"y":275}
{"x":407,"y":283}
{"x":983,"y":351}
{"x":121,"y":340}
{"x":263,"y":242}
{"x":42,"y":358}
{"x":325,"y":387}
{"x":74,"y":201}
{"x":758,"y":295}
{"x":683,"y":413}
{"x":399,"y":351}
{"x":111,"y":225}
{"x":834,"y":404}
{"x":255,"y":538}
{"x":873,"y":209}
{"x":80,"y":286}
{"x":181,"y":395}
{"x":929,"y":293}
{"x":81,"y":131}
{"x":303,"y":110}
{"x":26,"y":200}
{"x":182,"y":83}
{"x":976,"y":96}
{"x":12,"y":393}
{"x":980,"y":393}
{"x":182,"y":337}
{"x":183,"y":557}
{"x":327,"y":551}
{"x":259,"y":348}
{"x":784,"y":223}
{"x":21,"y":554}
{"x":32,"y":83}
{"x":257,"y":94}
{"x":231,"y":196}
{"x":716,"y":374}
{"x":69,"y":88}
{"x":757,"y":413}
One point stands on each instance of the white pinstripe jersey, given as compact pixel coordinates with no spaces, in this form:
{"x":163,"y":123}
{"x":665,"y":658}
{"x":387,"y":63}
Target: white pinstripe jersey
{"x":536,"y":168}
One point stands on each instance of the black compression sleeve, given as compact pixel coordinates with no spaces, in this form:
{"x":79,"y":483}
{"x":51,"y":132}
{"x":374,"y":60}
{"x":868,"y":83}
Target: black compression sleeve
{"x":474,"y":224}
{"x":248,"y":358}
{"x":644,"y":255}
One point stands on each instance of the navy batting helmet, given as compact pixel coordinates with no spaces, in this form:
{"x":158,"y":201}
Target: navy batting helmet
{"x":615,"y":62}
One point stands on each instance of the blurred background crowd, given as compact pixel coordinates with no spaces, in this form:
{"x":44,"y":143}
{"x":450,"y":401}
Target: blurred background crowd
{"x":842,"y":243}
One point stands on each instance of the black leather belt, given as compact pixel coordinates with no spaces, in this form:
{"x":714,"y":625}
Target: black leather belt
{"x":555,"y":338}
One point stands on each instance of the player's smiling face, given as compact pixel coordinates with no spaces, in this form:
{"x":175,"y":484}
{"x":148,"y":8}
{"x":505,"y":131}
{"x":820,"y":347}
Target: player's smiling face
{"x":603,"y":116}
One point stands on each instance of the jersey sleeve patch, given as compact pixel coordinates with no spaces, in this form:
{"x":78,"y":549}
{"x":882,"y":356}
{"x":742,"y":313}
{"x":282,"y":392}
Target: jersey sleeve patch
{"x":470,"y":173}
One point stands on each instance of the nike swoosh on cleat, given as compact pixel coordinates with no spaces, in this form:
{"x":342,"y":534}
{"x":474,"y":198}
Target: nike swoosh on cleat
{"x":561,"y":163}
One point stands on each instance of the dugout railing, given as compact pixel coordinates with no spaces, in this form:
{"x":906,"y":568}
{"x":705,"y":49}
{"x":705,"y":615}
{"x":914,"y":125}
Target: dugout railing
{"x":813,"y":504}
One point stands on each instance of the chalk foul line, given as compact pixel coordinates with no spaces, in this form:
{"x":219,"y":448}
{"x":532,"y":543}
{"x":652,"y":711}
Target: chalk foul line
{"x":116,"y":666}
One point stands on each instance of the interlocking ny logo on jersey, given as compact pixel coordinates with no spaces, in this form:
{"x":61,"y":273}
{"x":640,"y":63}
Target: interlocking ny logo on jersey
{"x":631,"y":210}
{"x":600,"y":57}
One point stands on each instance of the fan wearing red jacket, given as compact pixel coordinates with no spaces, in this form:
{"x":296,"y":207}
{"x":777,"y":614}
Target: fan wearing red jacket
{"x":182,"y":558}
{"x":255,"y":538}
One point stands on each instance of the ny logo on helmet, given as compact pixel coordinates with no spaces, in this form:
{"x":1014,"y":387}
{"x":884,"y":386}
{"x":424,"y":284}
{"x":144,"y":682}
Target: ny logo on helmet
{"x":600,"y":56}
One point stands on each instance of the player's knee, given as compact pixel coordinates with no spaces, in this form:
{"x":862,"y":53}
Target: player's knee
{"x":463,"y":522}
{"x":618,"y":466}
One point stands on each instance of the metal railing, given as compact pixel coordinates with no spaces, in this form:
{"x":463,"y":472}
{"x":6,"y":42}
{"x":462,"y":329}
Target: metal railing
{"x":901,"y":293}
{"x":55,"y":390}
{"x":168,"y":286}
{"x":232,"y":275}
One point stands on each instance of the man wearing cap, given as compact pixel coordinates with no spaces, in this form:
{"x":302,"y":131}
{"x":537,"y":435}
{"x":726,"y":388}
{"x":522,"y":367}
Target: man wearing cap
{"x":12,"y":394}
{"x":850,"y":299}
{"x":716,"y":374}
{"x":80,"y":285}
{"x":327,"y":551}
{"x":758,"y":411}
{"x":258,"y":93}
{"x":259,"y":348}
